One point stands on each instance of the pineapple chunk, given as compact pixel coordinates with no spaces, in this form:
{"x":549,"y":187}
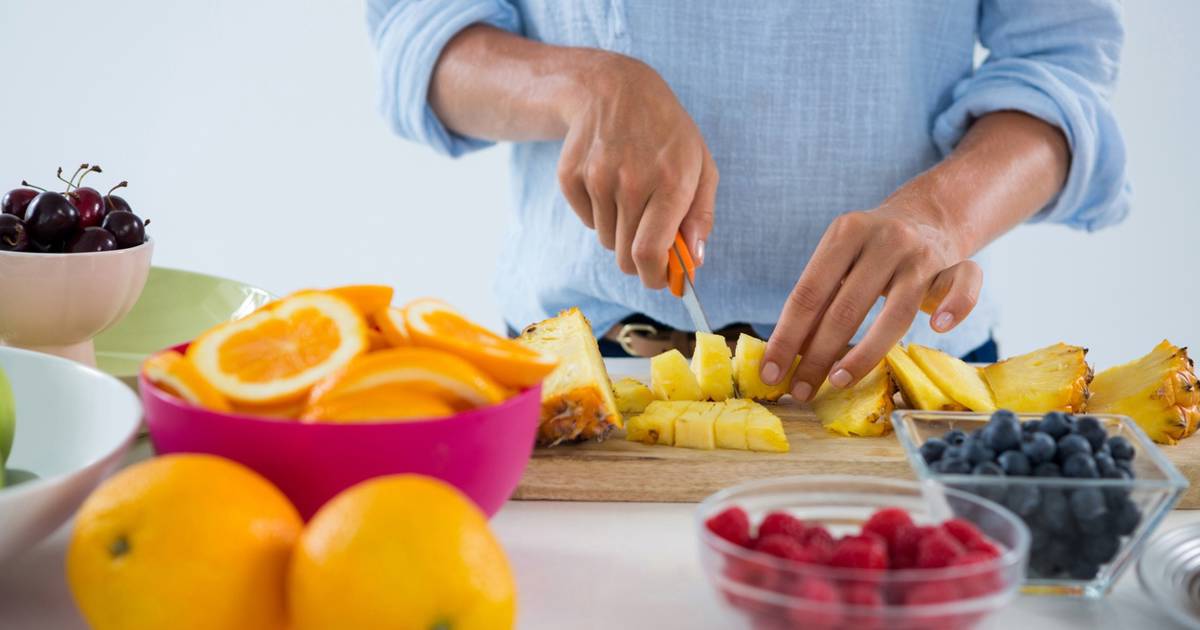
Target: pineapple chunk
{"x":694,"y":428}
{"x":746,"y":359}
{"x":1051,"y":379}
{"x":861,"y":410}
{"x":632,"y":396}
{"x":764,"y":431}
{"x":577,"y":397}
{"x":916,"y":388}
{"x":712,"y":366}
{"x":656,"y":425}
{"x":1159,"y":391}
{"x":964,"y":383}
{"x":671,"y":378}
{"x":730,"y":427}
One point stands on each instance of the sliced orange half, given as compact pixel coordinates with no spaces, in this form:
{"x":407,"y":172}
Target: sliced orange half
{"x":367,"y":298}
{"x":391,"y":323}
{"x":289,"y":410}
{"x":435,"y":324}
{"x":173,"y":373}
{"x":376,"y":340}
{"x":379,"y":404}
{"x":276,"y":355}
{"x":424,"y":370}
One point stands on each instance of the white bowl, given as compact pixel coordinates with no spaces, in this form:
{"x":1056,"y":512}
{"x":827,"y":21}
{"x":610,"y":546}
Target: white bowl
{"x":74,"y":425}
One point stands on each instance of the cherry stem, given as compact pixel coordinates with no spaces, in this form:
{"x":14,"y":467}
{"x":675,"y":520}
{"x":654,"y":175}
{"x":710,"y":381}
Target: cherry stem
{"x":93,"y":169}
{"x":25,"y":183}
{"x":146,"y":224}
{"x":121,"y":185}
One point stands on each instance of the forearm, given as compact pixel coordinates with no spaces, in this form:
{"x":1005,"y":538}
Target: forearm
{"x":494,"y":85}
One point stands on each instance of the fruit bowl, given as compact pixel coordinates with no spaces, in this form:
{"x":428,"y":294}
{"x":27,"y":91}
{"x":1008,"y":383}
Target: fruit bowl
{"x":1062,"y":540}
{"x":57,"y":303}
{"x":841,"y":504}
{"x":482,"y":452}
{"x":74,"y":424}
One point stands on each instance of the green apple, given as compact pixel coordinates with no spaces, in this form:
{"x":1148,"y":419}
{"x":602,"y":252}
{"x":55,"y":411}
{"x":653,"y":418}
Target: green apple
{"x":8,"y":421}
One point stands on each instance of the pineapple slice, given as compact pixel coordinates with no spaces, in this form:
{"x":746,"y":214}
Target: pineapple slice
{"x":632,"y":396}
{"x":964,"y":383}
{"x":1159,"y":391}
{"x":1051,"y":379}
{"x":671,"y":378}
{"x":916,"y":388}
{"x":694,"y":428}
{"x":712,"y":366}
{"x":577,"y":397}
{"x":730,"y":427}
{"x":656,"y":425}
{"x":861,"y":410}
{"x":746,"y":359}
{"x":764,"y":431}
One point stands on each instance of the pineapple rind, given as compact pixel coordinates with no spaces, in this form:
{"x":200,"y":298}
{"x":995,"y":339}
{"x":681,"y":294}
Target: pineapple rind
{"x":1158,"y":390}
{"x":860,"y":411}
{"x":918,"y":391}
{"x":713,"y":366}
{"x":958,"y":380}
{"x":632,"y":396}
{"x":1054,"y":378}
{"x":671,"y":377}
{"x":747,"y":357}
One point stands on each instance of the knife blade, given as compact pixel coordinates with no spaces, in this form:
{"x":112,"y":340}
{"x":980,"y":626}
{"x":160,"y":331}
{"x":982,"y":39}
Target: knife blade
{"x":681,"y":276}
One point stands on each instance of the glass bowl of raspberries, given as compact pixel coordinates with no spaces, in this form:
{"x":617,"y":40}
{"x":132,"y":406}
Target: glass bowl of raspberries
{"x":1091,"y":488}
{"x":825,"y":552}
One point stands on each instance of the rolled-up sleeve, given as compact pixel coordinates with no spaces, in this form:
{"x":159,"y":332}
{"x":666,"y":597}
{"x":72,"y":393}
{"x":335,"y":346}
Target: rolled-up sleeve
{"x":1056,"y":60}
{"x":409,"y":35}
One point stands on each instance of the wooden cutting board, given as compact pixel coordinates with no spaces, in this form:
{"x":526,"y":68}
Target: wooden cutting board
{"x":618,"y":470}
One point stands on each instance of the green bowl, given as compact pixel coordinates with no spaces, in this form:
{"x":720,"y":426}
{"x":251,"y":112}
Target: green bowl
{"x":176,"y":306}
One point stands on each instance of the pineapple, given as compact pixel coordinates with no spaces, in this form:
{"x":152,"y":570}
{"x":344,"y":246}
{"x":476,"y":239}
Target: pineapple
{"x":764,"y":431}
{"x":1159,"y":391}
{"x":712,"y":366}
{"x":632,"y":396}
{"x":730,"y":428}
{"x":656,"y":425}
{"x":694,"y":428}
{"x":577,"y":397}
{"x":734,"y":423}
{"x":1051,"y":379}
{"x":746,"y":359}
{"x":671,"y":378}
{"x":861,"y":410}
{"x":964,"y":383}
{"x":916,"y":388}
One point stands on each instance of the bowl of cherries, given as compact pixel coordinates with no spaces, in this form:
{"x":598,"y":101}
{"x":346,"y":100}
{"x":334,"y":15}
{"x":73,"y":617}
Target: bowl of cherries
{"x":72,"y":264}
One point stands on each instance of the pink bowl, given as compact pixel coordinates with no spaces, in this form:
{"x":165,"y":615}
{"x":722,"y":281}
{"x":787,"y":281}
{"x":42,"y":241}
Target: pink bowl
{"x":482,"y":452}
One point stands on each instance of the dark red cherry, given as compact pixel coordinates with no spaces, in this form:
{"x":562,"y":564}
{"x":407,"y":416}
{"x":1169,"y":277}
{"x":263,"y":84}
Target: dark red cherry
{"x":13,"y":236}
{"x":92,"y":239}
{"x":90,"y":204}
{"x":16,"y":201}
{"x":51,"y":218}
{"x":126,"y":227}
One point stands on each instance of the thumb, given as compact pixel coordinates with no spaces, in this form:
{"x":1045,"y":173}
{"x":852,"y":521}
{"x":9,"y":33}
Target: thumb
{"x":953,"y":295}
{"x":698,"y":222}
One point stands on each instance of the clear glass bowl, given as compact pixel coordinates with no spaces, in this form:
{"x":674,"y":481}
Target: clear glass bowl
{"x":1155,"y":488}
{"x":762,"y":588}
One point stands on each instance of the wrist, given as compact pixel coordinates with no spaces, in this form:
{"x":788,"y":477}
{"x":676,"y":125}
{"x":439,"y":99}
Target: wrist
{"x":589,"y":75}
{"x":935,"y":200}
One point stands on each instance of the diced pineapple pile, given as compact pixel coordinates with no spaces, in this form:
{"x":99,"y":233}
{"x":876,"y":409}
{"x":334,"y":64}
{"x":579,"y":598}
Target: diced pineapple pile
{"x":731,"y":424}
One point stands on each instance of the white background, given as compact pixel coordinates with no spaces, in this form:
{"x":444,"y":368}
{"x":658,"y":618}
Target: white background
{"x":248,"y":131}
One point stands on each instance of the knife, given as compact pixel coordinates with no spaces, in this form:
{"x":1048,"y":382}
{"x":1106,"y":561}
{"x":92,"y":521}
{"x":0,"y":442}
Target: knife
{"x":681,"y":278}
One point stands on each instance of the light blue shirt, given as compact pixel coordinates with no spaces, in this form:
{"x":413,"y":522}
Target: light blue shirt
{"x":811,"y":108}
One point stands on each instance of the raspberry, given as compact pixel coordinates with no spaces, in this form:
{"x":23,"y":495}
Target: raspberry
{"x":980,"y":583}
{"x":886,"y":523}
{"x":964,"y":531}
{"x":732,"y":524}
{"x":865,"y":551}
{"x":821,"y":609}
{"x":868,"y":602}
{"x":985,"y":547}
{"x":818,"y":540}
{"x":786,"y":547}
{"x":903,"y":552}
{"x":781,"y":523}
{"x":938,"y":592}
{"x":937,"y":549}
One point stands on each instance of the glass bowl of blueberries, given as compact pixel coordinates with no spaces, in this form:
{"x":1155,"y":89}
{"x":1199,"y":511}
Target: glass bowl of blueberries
{"x":1091,"y":488}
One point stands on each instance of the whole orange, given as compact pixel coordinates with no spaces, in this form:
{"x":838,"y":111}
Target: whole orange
{"x":400,"y":552}
{"x":187,"y":542}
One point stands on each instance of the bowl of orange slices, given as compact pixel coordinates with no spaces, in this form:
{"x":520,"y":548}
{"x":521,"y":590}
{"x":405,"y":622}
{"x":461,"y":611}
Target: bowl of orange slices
{"x":323,"y":389}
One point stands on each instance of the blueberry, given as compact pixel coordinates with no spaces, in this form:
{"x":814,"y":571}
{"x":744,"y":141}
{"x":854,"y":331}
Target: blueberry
{"x":1100,"y":549}
{"x":1115,"y":473}
{"x":978,"y":452}
{"x":1087,"y":424}
{"x":989,"y":469}
{"x":1105,"y":464}
{"x":1023,"y":500}
{"x":1120,"y":448}
{"x":1038,"y":447}
{"x":955,"y":466}
{"x":1127,"y":466}
{"x":1081,"y":569}
{"x":1080,"y":466}
{"x":1003,"y":431}
{"x":1060,"y":554}
{"x":1055,"y":514}
{"x":1055,"y":424}
{"x":932,"y":450}
{"x":1039,"y":538}
{"x":1088,"y":504}
{"x":1031,"y":426}
{"x":954,"y":437}
{"x":1047,"y":469}
{"x":1069,"y":445}
{"x":1126,"y":517}
{"x":1015,"y":463}
{"x":1092,"y":431}
{"x":1094,"y":527}
{"x":955,"y":452}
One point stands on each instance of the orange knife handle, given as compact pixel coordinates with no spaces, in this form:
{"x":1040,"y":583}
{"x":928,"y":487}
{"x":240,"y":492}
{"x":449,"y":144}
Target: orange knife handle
{"x":675,"y":269}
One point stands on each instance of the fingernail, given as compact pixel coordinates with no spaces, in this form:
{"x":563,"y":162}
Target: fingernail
{"x":770,"y":373}
{"x":943,"y":321}
{"x":801,"y":391}
{"x":699,"y":252}
{"x":840,"y":378}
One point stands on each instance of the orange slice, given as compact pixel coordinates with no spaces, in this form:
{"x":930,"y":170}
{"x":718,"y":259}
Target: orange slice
{"x":289,"y":410}
{"x":424,"y":370}
{"x":379,"y":404}
{"x":435,"y":324}
{"x":173,"y":373}
{"x":276,"y":355}
{"x":376,"y":340}
{"x":391,"y":323}
{"x":367,"y":298}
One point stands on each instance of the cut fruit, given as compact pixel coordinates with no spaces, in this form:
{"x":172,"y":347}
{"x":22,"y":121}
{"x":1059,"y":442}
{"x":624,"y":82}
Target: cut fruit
{"x":290,"y":410}
{"x":694,"y":428}
{"x":861,"y":410}
{"x":632,"y":396}
{"x":730,"y":428}
{"x":764,"y":431}
{"x":1159,"y":391}
{"x":1054,"y":378}
{"x":376,"y":341}
{"x":672,"y":379}
{"x":367,"y":298}
{"x":275,"y":355}
{"x":380,"y":404}
{"x":747,"y":357}
{"x":434,"y":324}
{"x":174,"y":374}
{"x":713,"y":366}
{"x":390,"y":321}
{"x":962,"y":382}
{"x":577,"y":397}
{"x":735,"y":423}
{"x":422,"y":370}
{"x":656,"y":425}
{"x":918,"y":390}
